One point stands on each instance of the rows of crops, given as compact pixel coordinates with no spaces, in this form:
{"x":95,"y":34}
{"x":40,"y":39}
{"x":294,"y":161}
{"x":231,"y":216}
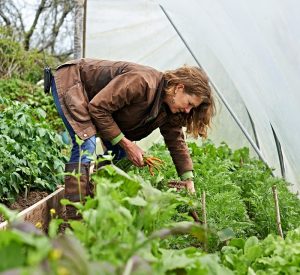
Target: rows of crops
{"x":30,"y":150}
{"x":136,"y":224}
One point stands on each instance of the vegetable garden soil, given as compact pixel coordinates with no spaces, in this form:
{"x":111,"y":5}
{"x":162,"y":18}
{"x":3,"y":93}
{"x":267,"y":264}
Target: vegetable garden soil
{"x":22,"y":202}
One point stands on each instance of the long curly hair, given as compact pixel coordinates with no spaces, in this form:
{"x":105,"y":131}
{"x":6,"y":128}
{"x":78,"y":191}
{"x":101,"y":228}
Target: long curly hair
{"x":195,"y":82}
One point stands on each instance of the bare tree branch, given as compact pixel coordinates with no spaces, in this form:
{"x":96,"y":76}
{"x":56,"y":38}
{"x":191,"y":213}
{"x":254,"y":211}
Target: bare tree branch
{"x":51,"y":27}
{"x":54,"y":24}
{"x":56,"y":27}
{"x":29,"y":33}
{"x":19,"y":16}
{"x":5,"y":18}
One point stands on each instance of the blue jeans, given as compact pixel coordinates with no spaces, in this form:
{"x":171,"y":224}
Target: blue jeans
{"x":89,"y":145}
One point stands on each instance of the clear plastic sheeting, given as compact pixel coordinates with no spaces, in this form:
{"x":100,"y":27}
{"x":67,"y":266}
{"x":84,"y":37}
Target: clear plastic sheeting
{"x":259,"y":49}
{"x":249,"y":49}
{"x":132,"y":30}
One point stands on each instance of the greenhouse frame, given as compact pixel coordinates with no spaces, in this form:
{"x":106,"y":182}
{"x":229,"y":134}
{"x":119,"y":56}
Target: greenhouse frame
{"x":249,"y":49}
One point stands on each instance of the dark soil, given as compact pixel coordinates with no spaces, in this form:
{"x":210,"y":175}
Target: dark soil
{"x":22,"y":203}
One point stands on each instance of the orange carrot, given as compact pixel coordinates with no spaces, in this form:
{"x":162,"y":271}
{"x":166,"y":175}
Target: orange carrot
{"x":153,"y":163}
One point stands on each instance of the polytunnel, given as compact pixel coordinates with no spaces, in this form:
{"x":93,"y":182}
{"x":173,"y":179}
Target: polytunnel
{"x":249,"y":49}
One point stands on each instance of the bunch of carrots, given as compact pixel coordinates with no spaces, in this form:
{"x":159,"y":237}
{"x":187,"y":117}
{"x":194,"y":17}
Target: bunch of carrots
{"x":153,"y":163}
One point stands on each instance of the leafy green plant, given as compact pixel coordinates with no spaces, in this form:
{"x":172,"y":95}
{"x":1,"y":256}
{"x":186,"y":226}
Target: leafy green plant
{"x":273,"y":255}
{"x":238,"y":192}
{"x":26,"y":250}
{"x":30,"y":152}
{"x":220,"y":170}
{"x":126,"y":228}
{"x":34,"y":96}
{"x":256,"y":183}
{"x":120,"y":233}
{"x":137,"y":217}
{"x":16,"y":62}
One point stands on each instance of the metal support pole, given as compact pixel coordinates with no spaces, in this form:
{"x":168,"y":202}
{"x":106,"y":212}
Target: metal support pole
{"x":84,"y":28}
{"x":243,"y":129}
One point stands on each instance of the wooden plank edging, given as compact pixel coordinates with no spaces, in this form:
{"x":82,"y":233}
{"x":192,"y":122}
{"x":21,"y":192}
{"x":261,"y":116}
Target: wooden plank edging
{"x":40,"y":211}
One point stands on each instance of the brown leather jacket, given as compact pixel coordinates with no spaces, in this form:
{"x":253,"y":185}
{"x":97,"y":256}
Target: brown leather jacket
{"x":114,"y":97}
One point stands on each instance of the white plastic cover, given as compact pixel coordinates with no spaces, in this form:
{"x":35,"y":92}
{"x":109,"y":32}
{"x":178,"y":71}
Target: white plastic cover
{"x":249,"y":49}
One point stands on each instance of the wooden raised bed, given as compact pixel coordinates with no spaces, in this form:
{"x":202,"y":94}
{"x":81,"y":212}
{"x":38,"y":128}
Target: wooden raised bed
{"x":40,"y":211}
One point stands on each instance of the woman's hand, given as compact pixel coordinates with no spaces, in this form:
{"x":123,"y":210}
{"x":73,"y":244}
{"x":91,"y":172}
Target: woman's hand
{"x":134,"y":153}
{"x":189,"y":184}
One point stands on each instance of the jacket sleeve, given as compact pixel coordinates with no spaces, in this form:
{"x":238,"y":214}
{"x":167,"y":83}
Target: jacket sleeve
{"x":125,"y":89}
{"x":174,"y":139}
